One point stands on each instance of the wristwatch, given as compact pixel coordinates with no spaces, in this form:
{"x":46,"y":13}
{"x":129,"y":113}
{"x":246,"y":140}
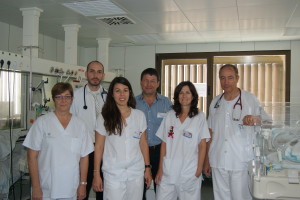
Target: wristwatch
{"x":148,"y":166}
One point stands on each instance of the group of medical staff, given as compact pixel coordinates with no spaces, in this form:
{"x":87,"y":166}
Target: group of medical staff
{"x":117,"y":143}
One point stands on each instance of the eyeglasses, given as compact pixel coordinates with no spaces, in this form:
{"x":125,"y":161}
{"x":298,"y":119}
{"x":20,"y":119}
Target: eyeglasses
{"x":237,"y":108}
{"x":60,"y":97}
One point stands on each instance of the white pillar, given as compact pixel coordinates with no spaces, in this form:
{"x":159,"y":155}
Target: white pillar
{"x":71,"y":40}
{"x":103,"y":51}
{"x":31,"y":31}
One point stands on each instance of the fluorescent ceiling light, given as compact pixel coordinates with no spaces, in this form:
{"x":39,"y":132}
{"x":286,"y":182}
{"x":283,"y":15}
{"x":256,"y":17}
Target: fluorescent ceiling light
{"x":95,"y":8}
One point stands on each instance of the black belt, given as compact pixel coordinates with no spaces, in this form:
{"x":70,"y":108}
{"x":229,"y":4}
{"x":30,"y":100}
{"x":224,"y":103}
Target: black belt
{"x":154,"y":147}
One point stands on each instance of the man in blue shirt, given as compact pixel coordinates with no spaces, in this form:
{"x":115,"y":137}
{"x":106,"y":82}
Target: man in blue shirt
{"x":155,"y":106}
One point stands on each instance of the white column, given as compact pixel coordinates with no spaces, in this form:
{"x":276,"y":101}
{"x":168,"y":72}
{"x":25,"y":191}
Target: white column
{"x":31,"y":31}
{"x":71,"y":40}
{"x":103,"y":51}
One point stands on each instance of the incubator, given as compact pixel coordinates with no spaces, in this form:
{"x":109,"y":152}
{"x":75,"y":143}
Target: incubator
{"x":274,"y":173}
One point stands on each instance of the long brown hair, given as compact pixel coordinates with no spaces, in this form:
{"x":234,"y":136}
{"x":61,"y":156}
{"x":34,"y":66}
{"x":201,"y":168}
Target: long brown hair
{"x":110,"y":112}
{"x":177,"y":106}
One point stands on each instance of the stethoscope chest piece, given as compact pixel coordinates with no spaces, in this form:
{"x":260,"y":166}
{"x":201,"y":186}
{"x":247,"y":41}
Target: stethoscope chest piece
{"x":84,"y":93}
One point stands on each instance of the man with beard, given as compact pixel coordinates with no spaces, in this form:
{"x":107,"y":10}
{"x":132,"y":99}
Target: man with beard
{"x":87,"y":105}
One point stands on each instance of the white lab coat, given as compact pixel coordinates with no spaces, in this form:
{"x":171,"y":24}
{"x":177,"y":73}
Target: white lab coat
{"x":181,"y":159}
{"x":122,"y":157}
{"x":231,"y":146}
{"x":60,"y":151}
{"x":87,"y":115}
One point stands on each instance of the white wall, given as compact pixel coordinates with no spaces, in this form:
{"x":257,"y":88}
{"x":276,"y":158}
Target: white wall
{"x":295,"y":71}
{"x":11,"y":41}
{"x":86,"y":55}
{"x":135,"y":59}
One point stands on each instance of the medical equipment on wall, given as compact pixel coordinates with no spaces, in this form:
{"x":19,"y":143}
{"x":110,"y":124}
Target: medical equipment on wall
{"x":41,"y":87}
{"x":274,"y":173}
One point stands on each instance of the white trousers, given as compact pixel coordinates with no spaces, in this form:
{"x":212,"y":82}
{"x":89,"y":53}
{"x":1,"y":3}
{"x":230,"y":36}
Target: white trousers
{"x":190,"y":190}
{"x":230,"y":185}
{"x":123,"y":190}
{"x":73,"y":198}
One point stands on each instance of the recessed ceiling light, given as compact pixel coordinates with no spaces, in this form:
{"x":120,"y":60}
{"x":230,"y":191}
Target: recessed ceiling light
{"x":95,"y":8}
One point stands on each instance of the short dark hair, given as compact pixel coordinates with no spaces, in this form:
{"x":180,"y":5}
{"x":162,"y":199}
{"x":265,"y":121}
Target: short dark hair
{"x":111,"y":114}
{"x":236,"y":71}
{"x":94,"y":61}
{"x":61,"y":87}
{"x":177,"y":106}
{"x":150,"y":71}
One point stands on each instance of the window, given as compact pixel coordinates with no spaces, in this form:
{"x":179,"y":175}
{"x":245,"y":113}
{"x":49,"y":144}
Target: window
{"x":262,"y":75}
{"x":176,"y":71}
{"x":266,"y":74}
{"x":10,"y":100}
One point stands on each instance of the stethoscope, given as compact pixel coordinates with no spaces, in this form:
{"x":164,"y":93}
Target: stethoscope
{"x":237,"y":103}
{"x":102,"y":94}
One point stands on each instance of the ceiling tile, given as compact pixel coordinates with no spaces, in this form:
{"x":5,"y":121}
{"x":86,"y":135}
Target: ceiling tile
{"x":162,"y":17}
{"x":217,"y":25}
{"x":221,"y":34}
{"x":264,"y":2}
{"x":262,"y":34}
{"x":266,"y":11}
{"x":292,"y":32}
{"x":183,"y":37}
{"x":147,"y":6}
{"x":267,"y":23}
{"x":177,"y":21}
{"x":173,"y":28}
{"x":201,"y":4}
{"x":195,"y":16}
{"x":294,"y":22}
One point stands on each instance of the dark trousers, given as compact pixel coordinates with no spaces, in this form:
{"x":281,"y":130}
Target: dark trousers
{"x":154,"y":152}
{"x":90,"y":176}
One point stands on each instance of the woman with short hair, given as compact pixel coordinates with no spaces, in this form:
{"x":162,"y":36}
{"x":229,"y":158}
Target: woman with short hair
{"x":58,"y":146}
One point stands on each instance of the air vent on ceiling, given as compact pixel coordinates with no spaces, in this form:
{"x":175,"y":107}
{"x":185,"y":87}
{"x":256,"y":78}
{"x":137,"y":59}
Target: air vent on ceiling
{"x":116,"y":20}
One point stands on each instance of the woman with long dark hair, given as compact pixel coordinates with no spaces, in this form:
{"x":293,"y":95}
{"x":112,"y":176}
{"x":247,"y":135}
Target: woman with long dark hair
{"x":122,"y":145}
{"x":183,"y":133}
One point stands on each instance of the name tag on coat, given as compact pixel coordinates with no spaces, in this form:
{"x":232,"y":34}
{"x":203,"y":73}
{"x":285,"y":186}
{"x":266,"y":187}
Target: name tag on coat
{"x":161,"y":115}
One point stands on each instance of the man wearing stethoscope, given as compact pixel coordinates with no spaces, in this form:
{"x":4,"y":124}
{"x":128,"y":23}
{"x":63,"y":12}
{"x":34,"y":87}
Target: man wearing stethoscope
{"x":232,"y":116}
{"x":87,"y":105}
